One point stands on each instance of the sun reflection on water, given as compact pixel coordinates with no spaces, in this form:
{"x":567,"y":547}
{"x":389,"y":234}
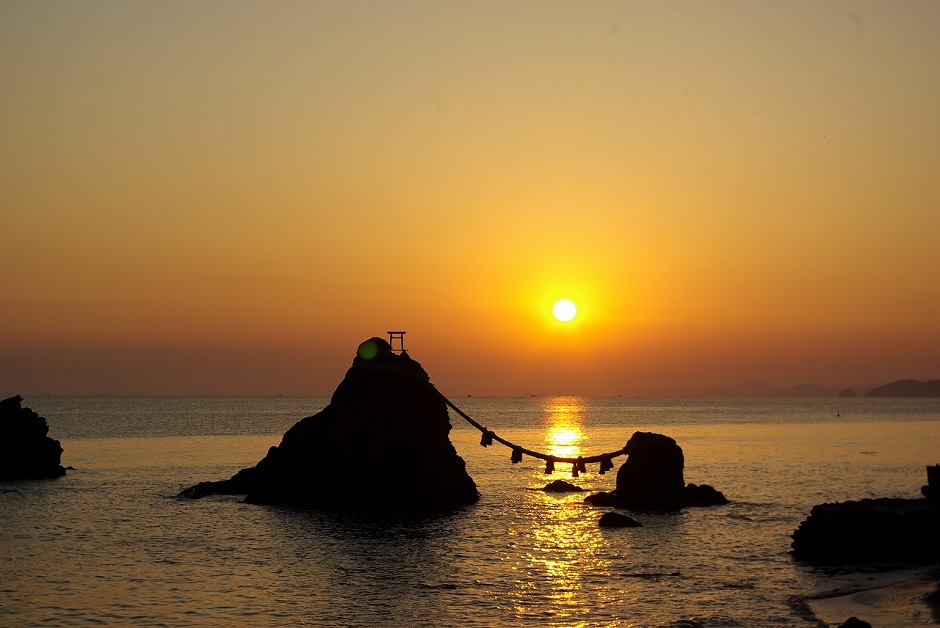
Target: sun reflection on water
{"x":562,"y":549}
{"x":563,"y":420}
{"x":563,"y":553}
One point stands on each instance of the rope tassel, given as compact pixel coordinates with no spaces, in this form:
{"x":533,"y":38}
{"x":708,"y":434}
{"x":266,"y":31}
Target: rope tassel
{"x":577,"y":464}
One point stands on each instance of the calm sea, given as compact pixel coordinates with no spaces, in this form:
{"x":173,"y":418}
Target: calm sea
{"x":110,"y":544}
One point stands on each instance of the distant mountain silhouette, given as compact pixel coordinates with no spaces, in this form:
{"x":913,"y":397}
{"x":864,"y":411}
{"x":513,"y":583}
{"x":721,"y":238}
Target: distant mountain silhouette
{"x":745,"y":389}
{"x":899,"y":388}
{"x":907,"y":388}
{"x":763,"y":389}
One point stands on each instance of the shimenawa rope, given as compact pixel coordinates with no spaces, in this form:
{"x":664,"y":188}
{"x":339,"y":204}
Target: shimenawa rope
{"x":577,"y":464}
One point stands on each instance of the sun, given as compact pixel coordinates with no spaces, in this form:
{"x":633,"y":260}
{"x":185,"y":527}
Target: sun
{"x":565,"y":310}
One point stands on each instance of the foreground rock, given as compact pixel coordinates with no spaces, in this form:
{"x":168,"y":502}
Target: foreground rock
{"x":884,"y":530}
{"x":932,"y":489}
{"x":652,"y":478}
{"x":874,"y":530}
{"x":26,"y":451}
{"x":382,"y":442}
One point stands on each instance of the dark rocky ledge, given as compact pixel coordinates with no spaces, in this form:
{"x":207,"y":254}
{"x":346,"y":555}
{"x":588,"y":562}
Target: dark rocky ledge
{"x":885,"y":530}
{"x":381,"y":443}
{"x":26,"y":451}
{"x":652,"y":478}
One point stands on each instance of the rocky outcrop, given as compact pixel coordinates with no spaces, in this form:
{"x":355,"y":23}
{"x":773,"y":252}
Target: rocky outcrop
{"x":907,"y":388}
{"x":870,"y":531}
{"x":702,"y":495}
{"x":561,"y":486}
{"x":652,"y":478}
{"x":847,"y":393}
{"x":382,"y":442}
{"x":932,"y":489}
{"x":26,"y":451}
{"x":873,"y":530}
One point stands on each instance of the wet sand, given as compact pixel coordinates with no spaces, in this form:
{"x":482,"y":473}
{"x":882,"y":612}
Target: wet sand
{"x":905,"y":604}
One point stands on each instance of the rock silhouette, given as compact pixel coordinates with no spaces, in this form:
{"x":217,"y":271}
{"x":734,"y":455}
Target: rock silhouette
{"x":932,"y":489}
{"x":26,"y":451}
{"x":561,"y":486}
{"x":870,"y":531}
{"x":873,"y":530}
{"x":652,"y":478}
{"x":382,"y":442}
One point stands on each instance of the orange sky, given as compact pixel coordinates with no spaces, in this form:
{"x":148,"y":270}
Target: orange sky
{"x":227,"y":197}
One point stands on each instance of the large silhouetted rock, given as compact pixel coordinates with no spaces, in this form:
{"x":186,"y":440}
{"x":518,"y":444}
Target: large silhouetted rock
{"x":26,"y":451}
{"x":653,"y":469}
{"x":382,"y":442}
{"x":652,"y":478}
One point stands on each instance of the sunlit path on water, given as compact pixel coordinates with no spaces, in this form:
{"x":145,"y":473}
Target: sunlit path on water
{"x":563,"y":419}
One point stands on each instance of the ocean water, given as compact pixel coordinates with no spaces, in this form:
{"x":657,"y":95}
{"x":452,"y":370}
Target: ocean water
{"x":111,"y":544}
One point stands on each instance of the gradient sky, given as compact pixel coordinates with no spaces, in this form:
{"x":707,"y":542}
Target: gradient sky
{"x":226,"y":197}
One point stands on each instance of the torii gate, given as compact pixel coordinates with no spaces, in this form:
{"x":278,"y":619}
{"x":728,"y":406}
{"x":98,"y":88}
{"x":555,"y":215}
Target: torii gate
{"x":400,"y":337}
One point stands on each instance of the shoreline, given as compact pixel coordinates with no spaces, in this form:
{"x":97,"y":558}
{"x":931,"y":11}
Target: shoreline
{"x":913,"y":601}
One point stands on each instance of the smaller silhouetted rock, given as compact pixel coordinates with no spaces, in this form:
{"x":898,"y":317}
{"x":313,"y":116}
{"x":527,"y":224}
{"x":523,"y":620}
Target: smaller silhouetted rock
{"x":617,"y":520}
{"x":652,"y":478}
{"x":560,"y":486}
{"x":848,"y":392}
{"x":26,"y":452}
{"x":703,"y":495}
{"x":603,"y":498}
{"x":854,"y":622}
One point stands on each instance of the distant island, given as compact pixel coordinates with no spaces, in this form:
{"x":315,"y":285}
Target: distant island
{"x":899,"y":388}
{"x":907,"y":388}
